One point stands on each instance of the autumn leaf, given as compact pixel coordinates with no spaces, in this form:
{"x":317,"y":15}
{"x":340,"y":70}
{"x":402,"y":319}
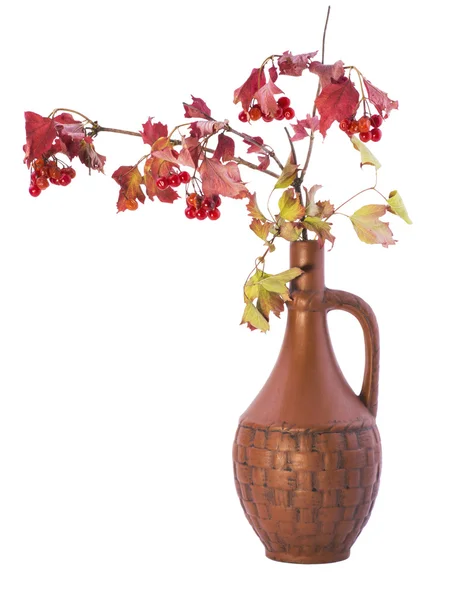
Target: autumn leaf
{"x":245,"y":93}
{"x":367,"y":158}
{"x":225,"y":148}
{"x":380,"y":99}
{"x":254,"y":210}
{"x":260,"y":228}
{"x":294,"y":65}
{"x":290,"y":207}
{"x":325,"y":209}
{"x":223,"y":179}
{"x":321,"y":228}
{"x":269,"y":302}
{"x":89,"y":156}
{"x":251,"y":289}
{"x":368,"y":226}
{"x":273,"y":73}
{"x":253,"y":317}
{"x":263,"y":162}
{"x":130,"y":180}
{"x":276,"y":283}
{"x":327,"y":73}
{"x":201,"y":129}
{"x":322,"y":209}
{"x":254,"y":147}
{"x":288,"y":174}
{"x":190,"y":153}
{"x":197,"y":109}
{"x":152,"y":131}
{"x":335,"y":102}
{"x":291,"y":231}
{"x":70,"y":133}
{"x":40,"y":133}
{"x":160,"y":164}
{"x":265,"y":97}
{"x":397,"y":206}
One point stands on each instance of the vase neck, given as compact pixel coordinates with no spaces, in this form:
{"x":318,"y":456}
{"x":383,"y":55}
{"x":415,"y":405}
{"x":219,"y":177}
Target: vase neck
{"x":309,"y":257}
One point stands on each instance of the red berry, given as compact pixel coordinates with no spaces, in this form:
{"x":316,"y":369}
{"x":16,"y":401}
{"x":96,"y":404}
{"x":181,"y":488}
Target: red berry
{"x":376,"y":134}
{"x":243,"y":116}
{"x":162,"y":183}
{"x":64,"y":179}
{"x":214,"y":214}
{"x":184,"y":177}
{"x":201,"y":214}
{"x":174,"y":180}
{"x":190,"y":212}
{"x":131,"y":203}
{"x":283,"y":102}
{"x":344,"y":125}
{"x":33,"y":177}
{"x":38,"y":164}
{"x":255,"y":112}
{"x":279,"y":116}
{"x":365,"y":136}
{"x":217,"y":200}
{"x":288,"y":113}
{"x":376,"y":121}
{"x":267,"y":118}
{"x":364,"y":124}
{"x":55,"y":172}
{"x":54,"y":181}
{"x":69,"y":171}
{"x":192,"y":200}
{"x":42,"y":183}
{"x":34,"y":191}
{"x":354,"y":127}
{"x":207,"y":203}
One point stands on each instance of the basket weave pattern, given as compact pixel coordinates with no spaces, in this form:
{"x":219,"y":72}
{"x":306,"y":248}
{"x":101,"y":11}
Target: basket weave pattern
{"x":307,"y":493}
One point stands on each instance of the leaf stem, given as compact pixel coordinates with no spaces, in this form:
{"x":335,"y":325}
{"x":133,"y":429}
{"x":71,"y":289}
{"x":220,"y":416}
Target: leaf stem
{"x":97,"y":128}
{"x":70,"y":110}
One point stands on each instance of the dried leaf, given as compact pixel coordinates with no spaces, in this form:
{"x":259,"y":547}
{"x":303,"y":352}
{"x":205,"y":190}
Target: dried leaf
{"x":294,"y":65}
{"x":89,"y":156}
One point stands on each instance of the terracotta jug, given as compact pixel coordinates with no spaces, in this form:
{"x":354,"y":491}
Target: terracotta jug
{"x":307,"y":454}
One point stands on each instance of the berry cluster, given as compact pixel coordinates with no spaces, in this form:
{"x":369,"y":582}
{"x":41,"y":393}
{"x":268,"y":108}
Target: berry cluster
{"x":200,"y":207}
{"x":284,"y":111}
{"x":173,"y":180}
{"x":45,"y":172}
{"x":367,"y":127}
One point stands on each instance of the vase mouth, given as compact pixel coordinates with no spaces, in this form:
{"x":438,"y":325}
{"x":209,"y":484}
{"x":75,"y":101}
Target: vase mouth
{"x":308,"y":255}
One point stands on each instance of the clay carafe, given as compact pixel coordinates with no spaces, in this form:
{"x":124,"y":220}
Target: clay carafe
{"x":307,"y":455}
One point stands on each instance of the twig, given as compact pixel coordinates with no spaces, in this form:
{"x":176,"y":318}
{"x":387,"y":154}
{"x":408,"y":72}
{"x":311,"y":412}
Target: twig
{"x":97,"y":128}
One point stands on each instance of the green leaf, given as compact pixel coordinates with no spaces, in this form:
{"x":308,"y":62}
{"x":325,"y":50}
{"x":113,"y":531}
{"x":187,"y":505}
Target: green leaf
{"x":290,"y":207}
{"x":261,"y":229}
{"x":254,"y":209}
{"x":288,"y":174}
{"x":253,"y":316}
{"x":321,"y":228}
{"x":276,"y":283}
{"x":398,"y":207}
{"x":368,"y":226}
{"x":367,"y":158}
{"x":291,"y":231}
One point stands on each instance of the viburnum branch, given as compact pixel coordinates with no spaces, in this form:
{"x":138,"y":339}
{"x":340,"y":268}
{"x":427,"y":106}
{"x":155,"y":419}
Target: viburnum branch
{"x":266,"y":149}
{"x":97,"y":128}
{"x":324,"y":37}
{"x":70,"y":110}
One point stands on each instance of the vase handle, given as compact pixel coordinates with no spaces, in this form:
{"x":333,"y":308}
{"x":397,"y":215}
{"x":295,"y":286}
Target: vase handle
{"x":340,"y":300}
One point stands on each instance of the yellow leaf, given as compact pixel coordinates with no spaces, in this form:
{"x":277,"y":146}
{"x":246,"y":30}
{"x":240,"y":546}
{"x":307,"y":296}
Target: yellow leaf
{"x":254,"y":209}
{"x":398,"y":207}
{"x":251,"y":287}
{"x":276,"y":283}
{"x":368,"y":226}
{"x":321,"y":228}
{"x":367,"y":158}
{"x":253,"y":316}
{"x":269,"y":301}
{"x":290,"y":207}
{"x":261,"y":229}
{"x":288,"y":174}
{"x":291,"y":231}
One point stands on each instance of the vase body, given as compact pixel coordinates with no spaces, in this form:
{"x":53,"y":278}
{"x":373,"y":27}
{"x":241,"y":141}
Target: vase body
{"x":307,"y":454}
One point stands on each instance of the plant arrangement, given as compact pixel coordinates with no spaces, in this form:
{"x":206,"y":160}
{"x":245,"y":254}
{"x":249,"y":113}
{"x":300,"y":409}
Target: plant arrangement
{"x":198,"y":163}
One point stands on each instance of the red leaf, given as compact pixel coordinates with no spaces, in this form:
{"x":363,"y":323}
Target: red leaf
{"x":201,"y":129}
{"x":130,"y":180}
{"x":380,"y":99}
{"x":198,"y":109}
{"x":264,"y":161}
{"x":89,"y":157}
{"x":71,"y":133}
{"x":40,"y":133}
{"x":222,"y":179}
{"x":265,"y":97}
{"x":254,"y":147}
{"x":152,"y":171}
{"x":190,"y":153}
{"x":273,"y":73}
{"x":336,"y":101}
{"x":327,"y":73}
{"x":248,"y":89}
{"x":294,"y":65}
{"x":300,"y":129}
{"x":152,"y":131}
{"x":225,"y":148}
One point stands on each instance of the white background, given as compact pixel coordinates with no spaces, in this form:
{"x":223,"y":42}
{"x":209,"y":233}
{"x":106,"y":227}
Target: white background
{"x":123,"y":370}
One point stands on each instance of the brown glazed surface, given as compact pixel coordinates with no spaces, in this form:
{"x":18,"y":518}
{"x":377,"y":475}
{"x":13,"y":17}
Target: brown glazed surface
{"x":307,"y":454}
